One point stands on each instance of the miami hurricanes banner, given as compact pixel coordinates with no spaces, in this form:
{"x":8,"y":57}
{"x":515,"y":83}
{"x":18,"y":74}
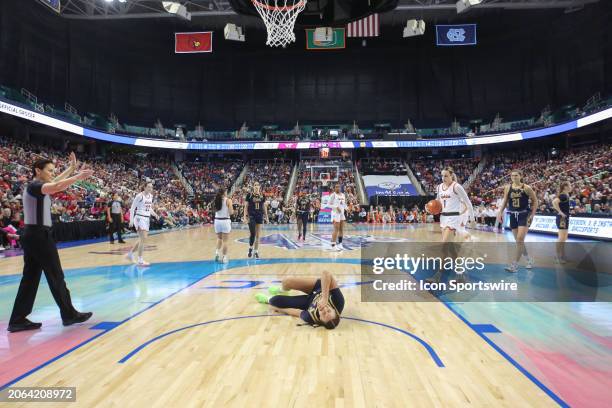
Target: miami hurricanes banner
{"x":190,"y":43}
{"x":337,"y":41}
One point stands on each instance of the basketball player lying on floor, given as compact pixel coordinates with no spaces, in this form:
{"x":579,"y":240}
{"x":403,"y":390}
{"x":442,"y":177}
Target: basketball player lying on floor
{"x":321,"y":305}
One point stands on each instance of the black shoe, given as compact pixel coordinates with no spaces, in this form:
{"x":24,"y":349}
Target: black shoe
{"x":23,"y":326}
{"x":256,"y":255}
{"x":112,"y":242}
{"x":250,"y":254}
{"x":79,"y":318}
{"x":122,"y":242}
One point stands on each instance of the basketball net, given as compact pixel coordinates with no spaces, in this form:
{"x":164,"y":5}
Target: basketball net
{"x":279,"y":17}
{"x":325,"y":179}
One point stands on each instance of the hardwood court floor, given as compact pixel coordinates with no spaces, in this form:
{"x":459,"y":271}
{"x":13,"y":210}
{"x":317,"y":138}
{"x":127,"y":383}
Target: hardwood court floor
{"x":187,"y":332}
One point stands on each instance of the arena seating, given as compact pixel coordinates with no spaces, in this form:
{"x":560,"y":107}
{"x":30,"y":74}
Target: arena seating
{"x":306,"y":132}
{"x":386,"y":165}
{"x":429,"y":171}
{"x":588,"y":169}
{"x":206,"y":177}
{"x":123,"y":174}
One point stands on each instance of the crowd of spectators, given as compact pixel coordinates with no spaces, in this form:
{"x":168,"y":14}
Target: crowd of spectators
{"x":588,"y":169}
{"x":387,"y":165}
{"x":429,"y":171}
{"x":123,"y":174}
{"x":206,"y":177}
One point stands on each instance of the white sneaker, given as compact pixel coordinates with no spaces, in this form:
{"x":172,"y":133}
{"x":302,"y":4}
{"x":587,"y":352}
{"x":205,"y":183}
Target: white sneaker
{"x":225,"y":259}
{"x":142,"y":262}
{"x":529,"y":263}
{"x":512,"y":268}
{"x":130,"y":257}
{"x":339,"y":247}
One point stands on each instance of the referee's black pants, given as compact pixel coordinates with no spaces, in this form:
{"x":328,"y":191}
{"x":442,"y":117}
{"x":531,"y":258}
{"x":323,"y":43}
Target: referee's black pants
{"x":115,"y":225}
{"x":304,"y":217}
{"x":40,"y":254}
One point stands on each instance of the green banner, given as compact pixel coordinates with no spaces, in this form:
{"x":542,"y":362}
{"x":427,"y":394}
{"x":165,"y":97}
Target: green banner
{"x":337,"y":40}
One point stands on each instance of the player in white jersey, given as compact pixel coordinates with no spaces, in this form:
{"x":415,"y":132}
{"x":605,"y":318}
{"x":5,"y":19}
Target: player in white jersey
{"x":223,"y":225}
{"x":140,"y":215}
{"x":337,"y":202}
{"x":452,"y":196}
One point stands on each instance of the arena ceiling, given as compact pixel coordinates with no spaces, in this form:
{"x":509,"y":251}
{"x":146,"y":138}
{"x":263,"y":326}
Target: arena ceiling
{"x":207,"y":9}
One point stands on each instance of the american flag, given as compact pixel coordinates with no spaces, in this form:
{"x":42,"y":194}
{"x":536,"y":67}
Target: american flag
{"x":366,"y":27}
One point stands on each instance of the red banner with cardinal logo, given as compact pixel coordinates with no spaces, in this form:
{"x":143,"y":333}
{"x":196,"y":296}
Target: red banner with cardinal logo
{"x":188,"y":43}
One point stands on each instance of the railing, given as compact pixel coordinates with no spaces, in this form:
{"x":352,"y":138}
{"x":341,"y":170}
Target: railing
{"x":292,"y":183}
{"x":415,"y":182}
{"x":183,"y":180}
{"x":363,"y":197}
{"x":481,"y":165}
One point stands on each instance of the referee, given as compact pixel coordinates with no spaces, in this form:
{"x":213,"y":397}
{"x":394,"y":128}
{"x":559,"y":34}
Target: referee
{"x":114,"y":216}
{"x":39,"y":251}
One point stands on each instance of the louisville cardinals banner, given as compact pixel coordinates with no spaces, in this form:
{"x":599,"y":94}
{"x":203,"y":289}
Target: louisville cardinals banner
{"x":366,"y":27}
{"x":337,"y":40}
{"x":189,"y":43}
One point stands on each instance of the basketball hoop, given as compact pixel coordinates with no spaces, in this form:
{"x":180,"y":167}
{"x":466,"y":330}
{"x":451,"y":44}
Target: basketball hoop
{"x":279,"y":17}
{"x":324,"y":178}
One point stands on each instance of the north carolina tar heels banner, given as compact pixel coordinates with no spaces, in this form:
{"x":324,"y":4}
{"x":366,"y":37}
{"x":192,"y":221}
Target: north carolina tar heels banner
{"x":458,"y":34}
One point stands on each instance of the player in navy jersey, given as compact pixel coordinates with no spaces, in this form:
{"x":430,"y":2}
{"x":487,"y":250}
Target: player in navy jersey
{"x":561,"y":204}
{"x":321,"y":304}
{"x":255,"y":212}
{"x":302,"y":209}
{"x":522,"y":204}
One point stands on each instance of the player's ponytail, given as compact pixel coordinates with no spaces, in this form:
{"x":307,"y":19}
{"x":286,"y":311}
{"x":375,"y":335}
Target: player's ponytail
{"x":219,"y":199}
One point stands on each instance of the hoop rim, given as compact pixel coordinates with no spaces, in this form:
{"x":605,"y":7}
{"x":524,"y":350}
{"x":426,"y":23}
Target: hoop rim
{"x":274,"y":8}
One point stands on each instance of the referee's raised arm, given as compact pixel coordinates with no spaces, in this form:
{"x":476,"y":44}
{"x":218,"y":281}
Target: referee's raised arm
{"x":39,"y":250}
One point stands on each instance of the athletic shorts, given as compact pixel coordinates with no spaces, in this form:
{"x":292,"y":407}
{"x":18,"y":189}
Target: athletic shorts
{"x":451,"y":222}
{"x":223,"y":226}
{"x":141,"y":223}
{"x":335,"y":217}
{"x":258,"y":218}
{"x":562,"y":223}
{"x":518,"y":219}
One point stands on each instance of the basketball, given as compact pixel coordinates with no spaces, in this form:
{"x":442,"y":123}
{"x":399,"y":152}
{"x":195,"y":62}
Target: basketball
{"x":433,"y":207}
